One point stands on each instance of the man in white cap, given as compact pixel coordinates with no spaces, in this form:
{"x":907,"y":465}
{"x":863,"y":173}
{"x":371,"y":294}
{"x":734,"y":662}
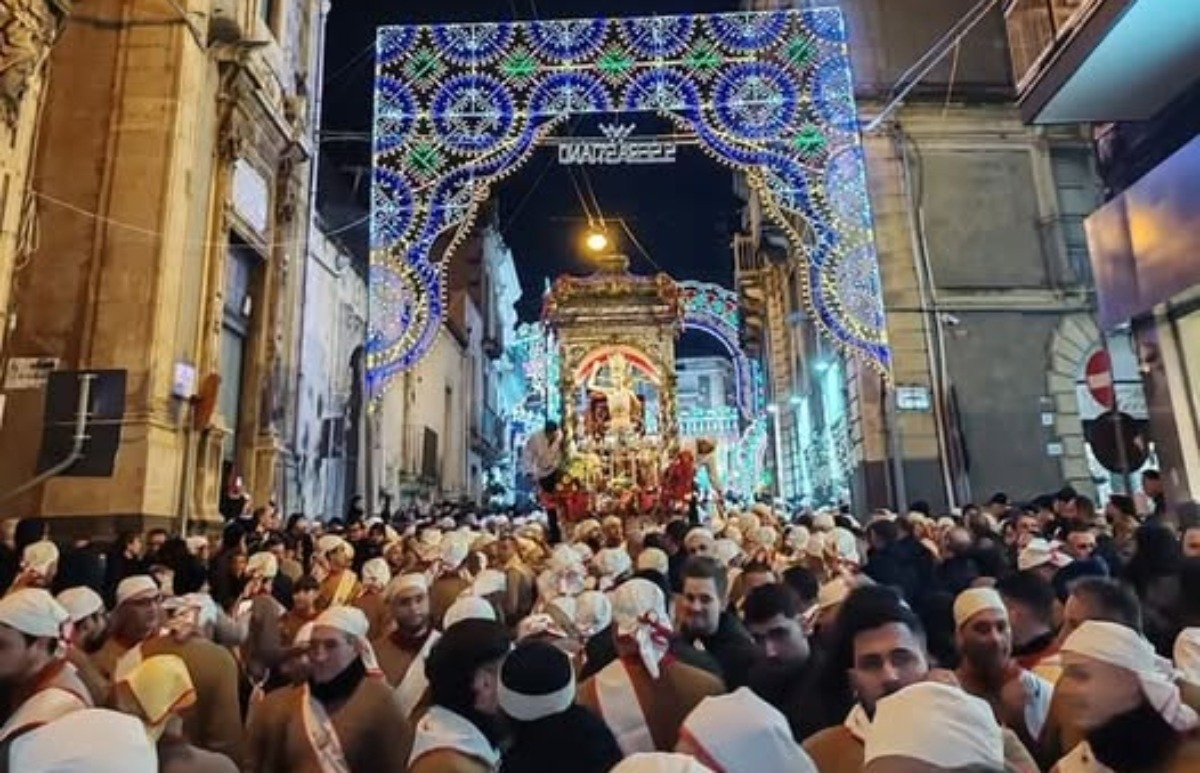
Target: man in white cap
{"x":260,"y":614}
{"x":340,"y":585}
{"x":403,"y":651}
{"x":881,"y":643}
{"x":87,"y":741}
{"x":742,"y":732}
{"x":371,"y":600}
{"x":519,"y":595}
{"x":88,"y":622}
{"x":345,"y":717}
{"x":931,"y":727}
{"x":215,"y":723}
{"x":1020,"y":698}
{"x":138,"y":614}
{"x":644,"y":696}
{"x":35,"y":676}
{"x":1126,"y":701}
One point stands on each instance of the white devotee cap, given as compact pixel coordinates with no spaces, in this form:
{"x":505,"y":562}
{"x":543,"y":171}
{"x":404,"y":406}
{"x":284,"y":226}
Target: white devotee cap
{"x":81,"y":602}
{"x":593,"y":612}
{"x":413,"y":581}
{"x":489,"y":581}
{"x":660,"y":762}
{"x":468,"y":608}
{"x":136,"y":587}
{"x":353,"y":622}
{"x":640,"y":613}
{"x":936,"y":724}
{"x":39,"y":557}
{"x":376,"y":574}
{"x":263,"y":564}
{"x":655,"y":560}
{"x":454,"y":550}
{"x":741,"y":731}
{"x":86,"y":741}
{"x":1125,"y":648}
{"x":975,"y":600}
{"x":34,"y":612}
{"x":1040,"y":552}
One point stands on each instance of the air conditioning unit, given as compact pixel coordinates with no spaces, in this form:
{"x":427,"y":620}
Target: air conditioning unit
{"x":225,"y":23}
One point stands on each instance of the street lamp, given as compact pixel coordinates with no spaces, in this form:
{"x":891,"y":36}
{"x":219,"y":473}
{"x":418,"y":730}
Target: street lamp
{"x":596,"y":240}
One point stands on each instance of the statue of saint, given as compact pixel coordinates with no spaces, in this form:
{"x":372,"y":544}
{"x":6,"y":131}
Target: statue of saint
{"x":620,"y":398}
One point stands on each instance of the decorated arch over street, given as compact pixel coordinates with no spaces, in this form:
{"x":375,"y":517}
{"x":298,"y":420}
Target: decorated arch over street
{"x":716,"y":310}
{"x":459,"y":107}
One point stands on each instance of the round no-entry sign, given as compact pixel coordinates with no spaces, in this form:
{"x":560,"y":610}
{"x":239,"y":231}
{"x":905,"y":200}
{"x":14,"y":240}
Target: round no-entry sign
{"x":1098,"y":373}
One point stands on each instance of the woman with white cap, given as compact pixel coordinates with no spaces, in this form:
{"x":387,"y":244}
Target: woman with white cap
{"x":549,"y":730}
{"x":260,"y":615}
{"x":335,"y":557}
{"x":1125,"y":699}
{"x":39,"y":683}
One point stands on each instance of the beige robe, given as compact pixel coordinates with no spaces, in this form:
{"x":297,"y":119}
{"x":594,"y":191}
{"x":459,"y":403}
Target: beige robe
{"x":175,"y":757}
{"x":444,"y":592}
{"x":375,"y":607}
{"x":665,"y":702}
{"x":333,"y":590}
{"x":215,"y":722}
{"x":373,"y":735}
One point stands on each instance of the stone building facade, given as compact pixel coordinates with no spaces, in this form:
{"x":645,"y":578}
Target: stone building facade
{"x":173,"y":181}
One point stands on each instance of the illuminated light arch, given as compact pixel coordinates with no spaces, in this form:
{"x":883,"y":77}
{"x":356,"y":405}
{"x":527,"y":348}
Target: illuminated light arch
{"x":716,"y":310}
{"x":460,"y":107}
{"x":636,"y":358}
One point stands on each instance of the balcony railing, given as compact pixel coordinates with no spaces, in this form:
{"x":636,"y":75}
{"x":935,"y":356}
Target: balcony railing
{"x":1035,"y":28}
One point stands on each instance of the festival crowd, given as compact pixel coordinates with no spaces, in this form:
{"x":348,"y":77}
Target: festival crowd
{"x":1048,"y":636}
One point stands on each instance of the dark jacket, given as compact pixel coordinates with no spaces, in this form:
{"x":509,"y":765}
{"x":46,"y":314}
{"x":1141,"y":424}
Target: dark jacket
{"x":733,"y":649}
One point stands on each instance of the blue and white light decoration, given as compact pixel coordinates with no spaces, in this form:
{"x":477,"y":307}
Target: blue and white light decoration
{"x":459,"y":107}
{"x":716,"y":310}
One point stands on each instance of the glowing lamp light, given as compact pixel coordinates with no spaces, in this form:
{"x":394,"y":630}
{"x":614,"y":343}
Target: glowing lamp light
{"x":596,"y":241}
{"x":772,"y":408}
{"x":796,"y":400}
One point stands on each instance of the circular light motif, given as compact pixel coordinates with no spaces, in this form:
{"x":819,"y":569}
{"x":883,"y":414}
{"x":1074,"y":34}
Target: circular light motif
{"x":395,"y":111}
{"x":659,"y":37}
{"x":393,"y":43}
{"x":472,"y":113}
{"x":391,"y":305}
{"x":568,"y":39}
{"x":827,"y":23}
{"x":857,"y":279}
{"x":472,"y":44}
{"x":391,"y":208}
{"x":833,"y":94}
{"x":569,"y":93}
{"x":749,"y":32}
{"x":846,"y":186}
{"x":662,"y":90}
{"x":755,"y":101}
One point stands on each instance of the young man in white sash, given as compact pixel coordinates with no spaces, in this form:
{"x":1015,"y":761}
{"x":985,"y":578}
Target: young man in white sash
{"x":403,"y":651}
{"x":33,"y":670}
{"x":343,"y":720}
{"x":645,"y":694}
{"x":459,"y":733}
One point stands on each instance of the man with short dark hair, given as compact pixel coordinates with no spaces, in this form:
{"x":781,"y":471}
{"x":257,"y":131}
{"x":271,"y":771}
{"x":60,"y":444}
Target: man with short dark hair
{"x":1030,"y":603}
{"x":707,"y":625}
{"x":788,"y":676}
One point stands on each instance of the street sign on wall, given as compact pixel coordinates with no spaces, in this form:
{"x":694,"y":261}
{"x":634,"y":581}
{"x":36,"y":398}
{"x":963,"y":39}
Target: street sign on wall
{"x":29,"y":372}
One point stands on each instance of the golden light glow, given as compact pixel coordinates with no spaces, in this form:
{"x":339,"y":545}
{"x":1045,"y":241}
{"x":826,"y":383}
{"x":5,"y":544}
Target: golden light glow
{"x":596,"y":240}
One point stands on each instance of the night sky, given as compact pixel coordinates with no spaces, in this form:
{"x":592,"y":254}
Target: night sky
{"x":683,"y":215}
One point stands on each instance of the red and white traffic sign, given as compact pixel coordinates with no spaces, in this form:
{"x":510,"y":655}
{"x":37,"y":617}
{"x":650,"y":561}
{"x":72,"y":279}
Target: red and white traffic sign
{"x":1098,"y":373}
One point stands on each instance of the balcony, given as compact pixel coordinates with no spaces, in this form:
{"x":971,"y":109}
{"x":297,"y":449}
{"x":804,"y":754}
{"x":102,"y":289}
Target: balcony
{"x":1097,"y":61}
